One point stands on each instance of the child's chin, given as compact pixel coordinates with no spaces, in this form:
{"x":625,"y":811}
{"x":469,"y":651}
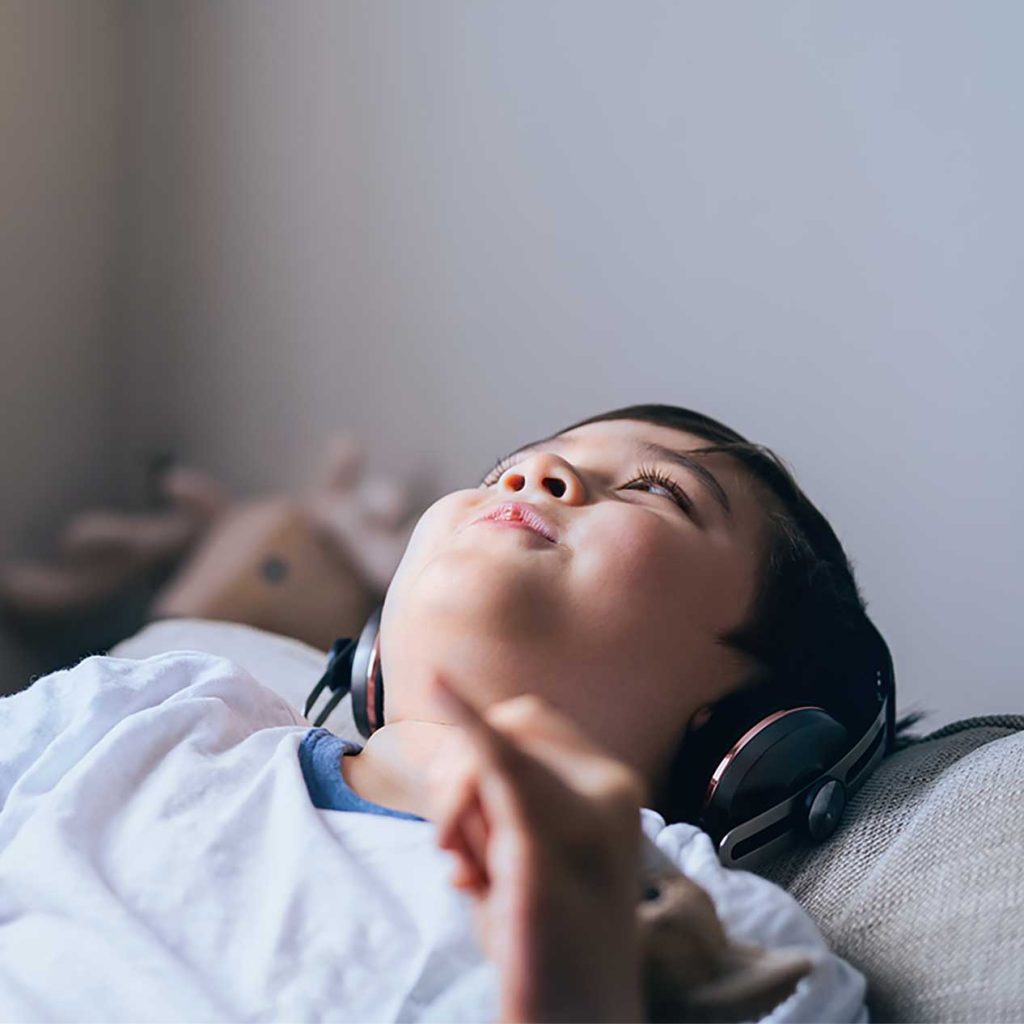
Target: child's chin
{"x":482,"y":593}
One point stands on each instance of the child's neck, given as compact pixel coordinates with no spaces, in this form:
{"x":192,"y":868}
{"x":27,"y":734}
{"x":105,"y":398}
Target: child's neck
{"x":397,"y":763}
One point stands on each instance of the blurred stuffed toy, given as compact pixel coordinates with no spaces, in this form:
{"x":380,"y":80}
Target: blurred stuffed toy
{"x":311,"y":567}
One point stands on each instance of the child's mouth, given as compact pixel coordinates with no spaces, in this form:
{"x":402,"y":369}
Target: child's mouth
{"x":519,"y":514}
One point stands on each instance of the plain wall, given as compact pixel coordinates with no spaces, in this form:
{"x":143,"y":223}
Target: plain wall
{"x":60,"y":77}
{"x":454,"y":226}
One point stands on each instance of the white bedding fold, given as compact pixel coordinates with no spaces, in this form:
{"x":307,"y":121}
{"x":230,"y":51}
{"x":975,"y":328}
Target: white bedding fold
{"x":160,"y":859}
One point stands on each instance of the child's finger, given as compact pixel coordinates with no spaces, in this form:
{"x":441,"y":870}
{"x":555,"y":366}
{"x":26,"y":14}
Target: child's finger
{"x":475,"y":832}
{"x":525,"y":730}
{"x":466,"y":838}
{"x":516,"y":784}
{"x":495,"y":748}
{"x":536,"y":720}
{"x":468,"y":873}
{"x":450,"y":806}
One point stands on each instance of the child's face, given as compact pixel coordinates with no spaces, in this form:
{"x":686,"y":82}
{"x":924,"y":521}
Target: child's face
{"x":615,"y":621}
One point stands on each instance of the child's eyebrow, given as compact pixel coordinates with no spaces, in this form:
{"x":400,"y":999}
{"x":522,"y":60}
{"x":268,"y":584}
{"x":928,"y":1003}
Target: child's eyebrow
{"x":703,"y":474}
{"x":658,"y":452}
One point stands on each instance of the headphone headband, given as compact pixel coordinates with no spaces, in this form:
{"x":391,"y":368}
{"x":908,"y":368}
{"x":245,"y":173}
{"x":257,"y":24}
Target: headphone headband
{"x":787,"y":777}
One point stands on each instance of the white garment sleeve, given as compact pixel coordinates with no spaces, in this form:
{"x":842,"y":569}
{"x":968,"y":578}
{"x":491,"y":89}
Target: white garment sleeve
{"x":757,"y":912}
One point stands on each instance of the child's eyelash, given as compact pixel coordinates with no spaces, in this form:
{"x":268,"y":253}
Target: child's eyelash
{"x":650,"y":475}
{"x":644,"y":474}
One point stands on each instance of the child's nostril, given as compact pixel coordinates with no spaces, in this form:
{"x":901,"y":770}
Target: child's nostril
{"x":555,"y":486}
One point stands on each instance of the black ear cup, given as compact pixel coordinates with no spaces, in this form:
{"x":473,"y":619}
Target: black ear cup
{"x":771,"y":762}
{"x":353,"y":667}
{"x":367,"y":678}
{"x":789,"y":776}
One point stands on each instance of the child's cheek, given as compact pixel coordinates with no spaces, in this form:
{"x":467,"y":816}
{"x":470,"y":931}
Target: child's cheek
{"x":434,"y":529}
{"x":633,"y":554}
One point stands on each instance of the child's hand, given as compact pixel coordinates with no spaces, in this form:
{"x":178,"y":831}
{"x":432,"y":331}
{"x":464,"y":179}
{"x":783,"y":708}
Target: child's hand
{"x":545,"y":829}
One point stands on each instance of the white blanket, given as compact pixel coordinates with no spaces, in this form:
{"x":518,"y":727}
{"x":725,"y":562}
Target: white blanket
{"x":160,"y":859}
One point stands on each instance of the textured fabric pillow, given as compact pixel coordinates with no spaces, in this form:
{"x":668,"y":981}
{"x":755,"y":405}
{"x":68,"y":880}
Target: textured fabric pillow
{"x":922,"y":887}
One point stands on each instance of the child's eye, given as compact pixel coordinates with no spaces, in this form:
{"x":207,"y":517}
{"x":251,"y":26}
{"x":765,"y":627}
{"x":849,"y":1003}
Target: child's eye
{"x":647,"y":475}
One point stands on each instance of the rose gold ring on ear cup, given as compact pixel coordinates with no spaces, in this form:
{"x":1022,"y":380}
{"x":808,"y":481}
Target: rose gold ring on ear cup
{"x":742,"y":742}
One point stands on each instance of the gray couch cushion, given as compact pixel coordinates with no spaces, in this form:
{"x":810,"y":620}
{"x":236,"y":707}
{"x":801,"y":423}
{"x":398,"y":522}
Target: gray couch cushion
{"x":922,"y":887}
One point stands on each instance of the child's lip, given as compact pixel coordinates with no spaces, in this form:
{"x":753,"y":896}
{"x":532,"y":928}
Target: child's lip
{"x":521,"y":514}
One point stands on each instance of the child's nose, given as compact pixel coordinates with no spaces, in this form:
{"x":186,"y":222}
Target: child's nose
{"x":547,"y":474}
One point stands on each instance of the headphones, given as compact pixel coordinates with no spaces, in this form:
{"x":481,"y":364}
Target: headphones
{"x":785,"y":780}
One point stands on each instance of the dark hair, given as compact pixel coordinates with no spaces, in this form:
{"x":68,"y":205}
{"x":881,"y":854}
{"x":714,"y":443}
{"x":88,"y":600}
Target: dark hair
{"x":808,"y":636}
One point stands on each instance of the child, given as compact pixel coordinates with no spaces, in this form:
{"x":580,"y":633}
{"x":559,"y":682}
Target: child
{"x":583,"y":634}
